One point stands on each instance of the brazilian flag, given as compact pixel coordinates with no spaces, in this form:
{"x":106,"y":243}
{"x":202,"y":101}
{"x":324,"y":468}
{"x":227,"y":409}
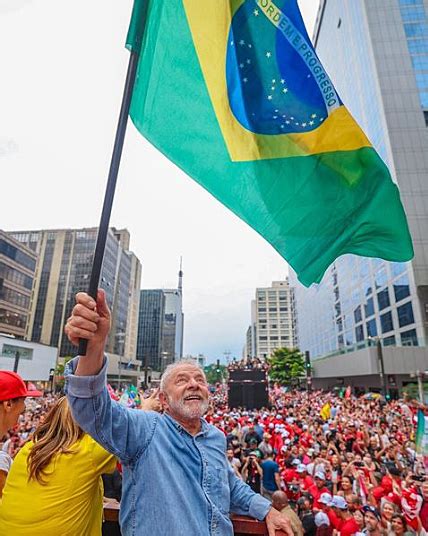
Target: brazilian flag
{"x":234,"y":93}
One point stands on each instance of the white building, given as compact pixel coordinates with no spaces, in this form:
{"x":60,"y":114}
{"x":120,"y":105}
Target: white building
{"x":200,"y":359}
{"x":34,"y":360}
{"x":272,"y":320}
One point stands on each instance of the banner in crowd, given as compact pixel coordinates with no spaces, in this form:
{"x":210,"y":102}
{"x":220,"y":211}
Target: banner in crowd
{"x":325,"y":412}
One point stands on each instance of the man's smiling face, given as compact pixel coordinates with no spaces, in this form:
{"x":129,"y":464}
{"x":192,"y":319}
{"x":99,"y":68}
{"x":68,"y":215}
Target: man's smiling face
{"x":185,"y":394}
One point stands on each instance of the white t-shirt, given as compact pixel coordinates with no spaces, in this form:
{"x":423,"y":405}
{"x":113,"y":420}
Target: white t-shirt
{"x":5,"y":461}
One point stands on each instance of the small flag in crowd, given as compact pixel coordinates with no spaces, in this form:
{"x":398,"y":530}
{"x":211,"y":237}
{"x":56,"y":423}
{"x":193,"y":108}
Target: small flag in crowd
{"x":130,"y":397}
{"x":422,"y":434}
{"x":325,"y":411}
{"x":234,"y":93}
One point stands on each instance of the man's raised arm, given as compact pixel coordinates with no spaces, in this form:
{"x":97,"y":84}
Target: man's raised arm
{"x":91,"y":321}
{"x":121,"y":431}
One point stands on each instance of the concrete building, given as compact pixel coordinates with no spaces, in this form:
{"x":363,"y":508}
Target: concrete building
{"x":272,"y":320}
{"x":35,"y":361}
{"x":17,"y":268}
{"x":361,"y":369}
{"x":161,"y":326}
{"x":200,"y":359}
{"x":64,"y":263}
{"x":376,"y":52}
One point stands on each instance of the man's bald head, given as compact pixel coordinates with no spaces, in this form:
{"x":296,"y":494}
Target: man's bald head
{"x":279,"y":500}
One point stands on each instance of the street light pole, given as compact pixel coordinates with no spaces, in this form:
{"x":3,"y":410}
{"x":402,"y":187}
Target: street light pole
{"x":146,"y":371}
{"x":381,"y":366}
{"x":420,"y":376}
{"x":15,"y":365}
{"x":308,"y":371}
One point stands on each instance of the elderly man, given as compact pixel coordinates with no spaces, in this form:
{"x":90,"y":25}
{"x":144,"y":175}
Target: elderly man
{"x":176,"y":478}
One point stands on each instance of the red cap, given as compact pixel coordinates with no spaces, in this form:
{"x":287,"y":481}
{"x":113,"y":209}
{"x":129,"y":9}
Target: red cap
{"x":12,"y":386}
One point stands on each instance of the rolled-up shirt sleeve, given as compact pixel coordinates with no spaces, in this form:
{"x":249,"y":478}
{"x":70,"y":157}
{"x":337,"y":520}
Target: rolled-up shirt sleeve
{"x":123,"y":432}
{"x":244,"y":501}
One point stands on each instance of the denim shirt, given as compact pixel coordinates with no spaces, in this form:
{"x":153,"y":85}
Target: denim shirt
{"x":173,"y":483}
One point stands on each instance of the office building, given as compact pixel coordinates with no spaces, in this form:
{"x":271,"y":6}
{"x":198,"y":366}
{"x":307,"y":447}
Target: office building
{"x":64,"y":263}
{"x":376,"y":52}
{"x":272,"y":323}
{"x":17,"y":268}
{"x":150,"y":328}
{"x":161,"y":326}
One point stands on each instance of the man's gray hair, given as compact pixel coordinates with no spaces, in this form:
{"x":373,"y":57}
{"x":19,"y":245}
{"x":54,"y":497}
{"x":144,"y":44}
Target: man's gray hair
{"x":171,"y":367}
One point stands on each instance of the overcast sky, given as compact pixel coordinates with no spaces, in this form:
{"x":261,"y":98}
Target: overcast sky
{"x":63,"y":66}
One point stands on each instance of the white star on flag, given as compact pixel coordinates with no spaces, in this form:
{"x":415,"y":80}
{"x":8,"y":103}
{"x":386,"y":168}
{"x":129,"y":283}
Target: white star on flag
{"x":268,"y":54}
{"x":256,"y":12}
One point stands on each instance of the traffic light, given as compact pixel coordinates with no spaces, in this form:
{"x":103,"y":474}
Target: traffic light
{"x":308,"y":371}
{"x":218,"y":366}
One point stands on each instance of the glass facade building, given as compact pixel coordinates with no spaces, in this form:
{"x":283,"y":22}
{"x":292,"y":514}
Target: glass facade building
{"x":150,"y":328}
{"x":161,"y":326}
{"x":17,"y":267}
{"x":64,"y":263}
{"x":376,"y":52}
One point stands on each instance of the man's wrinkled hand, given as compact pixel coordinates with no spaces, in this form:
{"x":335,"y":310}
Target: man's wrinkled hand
{"x":89,"y":320}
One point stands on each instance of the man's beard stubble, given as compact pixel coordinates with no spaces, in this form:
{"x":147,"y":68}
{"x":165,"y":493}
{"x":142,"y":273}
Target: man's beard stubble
{"x":185,"y":412}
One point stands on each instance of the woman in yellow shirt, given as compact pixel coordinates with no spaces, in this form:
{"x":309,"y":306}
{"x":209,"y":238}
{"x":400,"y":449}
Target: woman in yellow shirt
{"x":54,"y":487}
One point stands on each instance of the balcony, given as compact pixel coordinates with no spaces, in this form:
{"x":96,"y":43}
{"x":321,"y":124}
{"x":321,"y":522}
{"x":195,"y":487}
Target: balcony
{"x":242,"y":525}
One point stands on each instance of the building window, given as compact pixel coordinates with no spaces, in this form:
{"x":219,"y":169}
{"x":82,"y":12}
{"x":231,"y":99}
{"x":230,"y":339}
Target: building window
{"x":402,"y":288}
{"x":389,"y":341}
{"x":405,"y":314}
{"x":409,"y":338}
{"x":369,"y":307}
{"x":357,"y":314}
{"x":359,"y":333}
{"x":383,"y":299}
{"x":386,"y":322}
{"x":371,"y":328}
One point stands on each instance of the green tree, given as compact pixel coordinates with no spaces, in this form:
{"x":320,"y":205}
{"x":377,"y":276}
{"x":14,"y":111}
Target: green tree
{"x":59,"y":372}
{"x":286,"y":365}
{"x":215,"y":373}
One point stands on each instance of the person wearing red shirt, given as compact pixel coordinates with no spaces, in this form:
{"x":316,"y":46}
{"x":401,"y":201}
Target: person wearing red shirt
{"x":324,"y":501}
{"x":348,"y":524}
{"x":319,"y":487}
{"x":423,"y":514}
{"x":305,"y":481}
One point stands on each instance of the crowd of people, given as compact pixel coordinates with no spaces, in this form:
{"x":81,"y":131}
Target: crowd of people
{"x":248,"y":364}
{"x":356,"y":471}
{"x":351,"y":470}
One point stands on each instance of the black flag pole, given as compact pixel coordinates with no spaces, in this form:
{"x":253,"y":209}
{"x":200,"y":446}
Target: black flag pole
{"x":133,"y":42}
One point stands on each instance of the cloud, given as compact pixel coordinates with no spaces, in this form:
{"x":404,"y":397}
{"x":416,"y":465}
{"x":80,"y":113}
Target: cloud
{"x":7,"y":6}
{"x":8,"y":146}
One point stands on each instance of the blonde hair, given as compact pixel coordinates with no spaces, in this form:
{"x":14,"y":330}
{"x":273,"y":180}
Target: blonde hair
{"x":56,"y":435}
